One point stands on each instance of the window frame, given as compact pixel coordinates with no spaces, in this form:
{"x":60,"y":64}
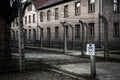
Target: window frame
{"x":56,"y":13}
{"x":77,"y":12}
{"x":30,"y":34}
{"x":91,"y":7}
{"x":29,"y":19}
{"x":77,"y":31}
{"x":66,"y":11}
{"x":34,"y":18}
{"x":117,"y":4}
{"x":41,"y":16}
{"x":48,"y":32}
{"x":56,"y":32}
{"x":48,"y":15}
{"x":25,"y":19}
{"x":116,"y":30}
{"x":91,"y":30}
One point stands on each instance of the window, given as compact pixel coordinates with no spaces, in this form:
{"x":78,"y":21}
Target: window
{"x":16,"y":34}
{"x":29,"y":26}
{"x":48,"y":32}
{"x":29,"y":18}
{"x":77,"y":8}
{"x":42,"y":32}
{"x":67,"y":31}
{"x":48,"y":15}
{"x":25,"y":19}
{"x":115,"y":6}
{"x":56,"y":32}
{"x":30,"y":8}
{"x":116,"y":30}
{"x":66,"y":11}
{"x":33,"y":18}
{"x":91,"y":30}
{"x":91,"y":6}
{"x":77,"y":31}
{"x":29,"y":33}
{"x":41,"y":16}
{"x":17,"y":23}
{"x":56,"y":13}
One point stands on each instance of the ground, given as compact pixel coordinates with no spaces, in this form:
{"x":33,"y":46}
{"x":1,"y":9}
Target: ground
{"x":71,"y":64}
{"x":34,"y":75}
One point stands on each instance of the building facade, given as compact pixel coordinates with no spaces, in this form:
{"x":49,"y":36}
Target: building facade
{"x":51,"y":13}
{"x":29,"y":23}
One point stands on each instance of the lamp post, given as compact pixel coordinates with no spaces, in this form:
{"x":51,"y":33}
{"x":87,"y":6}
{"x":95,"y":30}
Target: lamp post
{"x":21,"y":35}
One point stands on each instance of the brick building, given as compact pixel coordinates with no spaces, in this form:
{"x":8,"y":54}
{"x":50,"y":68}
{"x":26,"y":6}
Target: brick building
{"x":50,"y":13}
{"x":29,"y":23}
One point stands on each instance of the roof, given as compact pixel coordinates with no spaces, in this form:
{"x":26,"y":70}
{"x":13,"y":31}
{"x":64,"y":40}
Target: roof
{"x":44,"y":3}
{"x":37,"y":3}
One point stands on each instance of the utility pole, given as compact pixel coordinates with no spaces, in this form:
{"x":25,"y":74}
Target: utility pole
{"x":99,"y":28}
{"x":21,"y":37}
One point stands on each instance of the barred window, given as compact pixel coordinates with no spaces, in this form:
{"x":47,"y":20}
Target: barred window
{"x":29,"y":33}
{"x":48,"y":32}
{"x":33,"y":18}
{"x":116,"y":30}
{"x":41,"y":16}
{"x":29,"y":18}
{"x":56,"y":13}
{"x":48,"y":15}
{"x":66,"y":14}
{"x":77,"y":31}
{"x":115,"y":6}
{"x":91,"y":30}
{"x":77,"y":8}
{"x":25,"y":19}
{"x":91,"y":6}
{"x":56,"y":32}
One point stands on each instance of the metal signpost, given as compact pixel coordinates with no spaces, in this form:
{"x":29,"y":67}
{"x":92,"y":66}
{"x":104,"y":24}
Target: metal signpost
{"x":91,"y":52}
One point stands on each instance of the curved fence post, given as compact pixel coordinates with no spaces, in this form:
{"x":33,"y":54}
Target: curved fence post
{"x":106,"y":51}
{"x":41,"y":36}
{"x":65,"y":37}
{"x":83,"y":38}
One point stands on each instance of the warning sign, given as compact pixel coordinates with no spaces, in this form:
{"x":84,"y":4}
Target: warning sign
{"x":90,"y":49}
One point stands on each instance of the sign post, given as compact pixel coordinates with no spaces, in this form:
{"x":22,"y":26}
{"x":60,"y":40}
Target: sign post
{"x":91,"y":52}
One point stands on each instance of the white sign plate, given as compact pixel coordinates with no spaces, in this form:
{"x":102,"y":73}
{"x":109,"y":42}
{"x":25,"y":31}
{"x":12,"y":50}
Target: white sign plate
{"x":90,"y":49}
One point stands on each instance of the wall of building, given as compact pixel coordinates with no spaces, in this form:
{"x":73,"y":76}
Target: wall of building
{"x":106,"y":11}
{"x":112,"y":17}
{"x":85,"y":16}
{"x":27,"y":26}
